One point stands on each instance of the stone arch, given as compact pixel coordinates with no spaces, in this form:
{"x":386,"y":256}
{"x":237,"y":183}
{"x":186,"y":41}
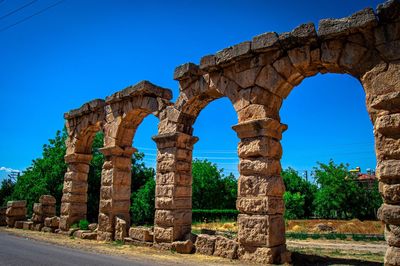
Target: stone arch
{"x":125,"y":110}
{"x":82,"y":125}
{"x":257,"y":76}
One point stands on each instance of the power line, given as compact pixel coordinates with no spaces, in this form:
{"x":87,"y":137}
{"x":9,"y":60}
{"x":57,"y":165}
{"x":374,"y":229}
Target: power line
{"x":31,"y":16}
{"x":18,"y":9}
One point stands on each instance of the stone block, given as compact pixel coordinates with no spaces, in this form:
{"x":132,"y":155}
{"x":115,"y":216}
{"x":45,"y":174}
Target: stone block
{"x":27,"y":225}
{"x":388,"y":11}
{"x":389,"y":101}
{"x":52,"y":222}
{"x":260,"y":147}
{"x":173,"y":217}
{"x":265,"y":255}
{"x":392,"y":235}
{"x":37,"y":226}
{"x":225,"y":248}
{"x":331,"y":28}
{"x":19,"y":224}
{"x":382,"y":79}
{"x":120,"y":229}
{"x":260,"y":186}
{"x":286,"y":69}
{"x":260,"y":205}
{"x":388,"y":125}
{"x":163,"y":234}
{"x":16,"y":204}
{"x":183,"y":247}
{"x":37,"y":218}
{"x":205,"y":244}
{"x":93,"y":226}
{"x":74,"y":197}
{"x":186,"y":71}
{"x":389,"y":169}
{"x":89,"y":236}
{"x":269,"y":79}
{"x":265,"y":42}
{"x":16,"y":212}
{"x":330,"y":54}
{"x":47,"y":229}
{"x":78,"y":168}
{"x":144,"y":234}
{"x":37,"y":208}
{"x":390,"y":214}
{"x":392,"y":256}
{"x":208,"y":63}
{"x":260,"y":166}
{"x":79,"y":233}
{"x":234,"y":52}
{"x":390,"y":193}
{"x":261,"y":230}
{"x":47,"y":200}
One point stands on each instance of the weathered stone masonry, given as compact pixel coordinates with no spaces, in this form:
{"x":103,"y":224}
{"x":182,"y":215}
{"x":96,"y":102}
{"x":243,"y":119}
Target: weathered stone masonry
{"x":256,"y":76}
{"x":118,"y":117}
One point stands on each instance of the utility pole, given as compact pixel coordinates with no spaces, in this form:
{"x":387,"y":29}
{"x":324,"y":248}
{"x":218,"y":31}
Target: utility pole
{"x":305,"y":174}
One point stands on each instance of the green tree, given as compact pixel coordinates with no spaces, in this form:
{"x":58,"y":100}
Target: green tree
{"x":337,"y":196}
{"x":294,"y":205}
{"x":94,"y":178}
{"x":306,"y":190}
{"x":142,"y":208}
{"x":6,"y":190}
{"x":369,"y":201}
{"x":210,"y":188}
{"x":45,"y":175}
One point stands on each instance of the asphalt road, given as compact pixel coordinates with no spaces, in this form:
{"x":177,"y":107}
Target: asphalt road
{"x":16,"y":250}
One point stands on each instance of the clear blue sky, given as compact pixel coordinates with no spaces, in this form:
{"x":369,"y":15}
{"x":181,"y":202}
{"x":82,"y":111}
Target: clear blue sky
{"x":81,"y":50}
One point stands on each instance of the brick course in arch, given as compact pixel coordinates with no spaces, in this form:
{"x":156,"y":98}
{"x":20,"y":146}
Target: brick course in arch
{"x":257,"y":76}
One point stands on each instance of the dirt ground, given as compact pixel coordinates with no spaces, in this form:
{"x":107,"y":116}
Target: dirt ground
{"x":305,"y":252}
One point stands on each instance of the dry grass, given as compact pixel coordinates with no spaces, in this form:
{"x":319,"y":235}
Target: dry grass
{"x":354,"y":226}
{"x":217,"y":226}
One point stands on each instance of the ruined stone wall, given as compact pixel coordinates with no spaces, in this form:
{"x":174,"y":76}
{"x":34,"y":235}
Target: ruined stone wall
{"x":118,"y":116}
{"x":256,"y":76}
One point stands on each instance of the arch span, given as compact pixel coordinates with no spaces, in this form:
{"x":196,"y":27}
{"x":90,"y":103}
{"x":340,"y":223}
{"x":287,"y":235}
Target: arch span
{"x":257,"y":76}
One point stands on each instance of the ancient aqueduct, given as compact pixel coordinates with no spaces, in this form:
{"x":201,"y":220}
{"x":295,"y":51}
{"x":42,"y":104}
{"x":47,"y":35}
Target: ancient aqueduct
{"x":256,"y":76}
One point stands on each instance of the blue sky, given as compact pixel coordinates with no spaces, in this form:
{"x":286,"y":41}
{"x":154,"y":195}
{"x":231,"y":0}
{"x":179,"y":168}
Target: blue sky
{"x":81,"y":50}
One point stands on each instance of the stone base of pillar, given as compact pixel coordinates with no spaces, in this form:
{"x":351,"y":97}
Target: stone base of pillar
{"x":265,"y":255}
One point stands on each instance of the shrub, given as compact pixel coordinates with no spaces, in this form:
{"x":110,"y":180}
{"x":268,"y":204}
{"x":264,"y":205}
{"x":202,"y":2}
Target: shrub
{"x":84,"y":224}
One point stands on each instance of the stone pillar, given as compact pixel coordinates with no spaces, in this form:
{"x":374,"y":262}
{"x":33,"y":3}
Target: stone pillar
{"x":261,"y":227}
{"x":382,"y":87}
{"x":74,"y":199}
{"x":173,"y":215}
{"x":115,"y":191}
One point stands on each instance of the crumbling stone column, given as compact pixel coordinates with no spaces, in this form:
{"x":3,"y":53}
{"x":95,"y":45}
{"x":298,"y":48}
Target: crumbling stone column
{"x":173,"y":216}
{"x":74,"y":199}
{"x":45,"y":208}
{"x":261,"y":227}
{"x":382,"y":85}
{"x":115,"y":190}
{"x":16,"y":211}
